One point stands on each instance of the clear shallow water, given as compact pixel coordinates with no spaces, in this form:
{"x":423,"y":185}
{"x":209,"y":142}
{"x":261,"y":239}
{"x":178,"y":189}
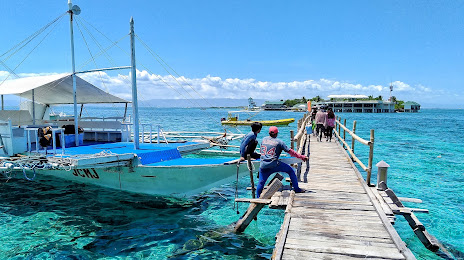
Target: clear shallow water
{"x":50,"y":218}
{"x":425,"y":152}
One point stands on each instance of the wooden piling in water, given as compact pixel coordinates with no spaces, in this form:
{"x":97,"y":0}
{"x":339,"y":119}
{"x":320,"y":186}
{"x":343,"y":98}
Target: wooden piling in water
{"x":256,"y":206}
{"x":252,"y":181}
{"x":292,"y":141}
{"x":397,"y":207}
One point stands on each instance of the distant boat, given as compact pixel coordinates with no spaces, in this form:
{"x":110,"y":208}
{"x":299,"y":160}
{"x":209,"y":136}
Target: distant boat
{"x":233,"y":119}
{"x":252,"y":104}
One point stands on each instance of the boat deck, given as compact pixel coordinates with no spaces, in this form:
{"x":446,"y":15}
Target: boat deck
{"x":148,"y":153}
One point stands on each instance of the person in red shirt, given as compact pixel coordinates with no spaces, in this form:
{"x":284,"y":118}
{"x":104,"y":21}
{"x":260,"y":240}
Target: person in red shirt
{"x":271,"y":148}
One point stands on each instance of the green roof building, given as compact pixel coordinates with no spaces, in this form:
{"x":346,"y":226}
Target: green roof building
{"x":274,"y":105}
{"x":411,"y":106}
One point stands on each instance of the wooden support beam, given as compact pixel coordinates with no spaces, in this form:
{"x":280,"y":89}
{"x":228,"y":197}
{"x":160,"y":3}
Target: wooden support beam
{"x":281,"y":238}
{"x":278,"y":177}
{"x":275,"y":200}
{"x":410,"y":200}
{"x":257,"y":201}
{"x":418,"y":210}
{"x":393,"y":197}
{"x":429,"y":241}
{"x":414,"y":222}
{"x":382,"y":186}
{"x":403,"y":210}
{"x":254,"y":208}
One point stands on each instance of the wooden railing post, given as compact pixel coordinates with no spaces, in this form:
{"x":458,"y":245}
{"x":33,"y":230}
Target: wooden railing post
{"x":344,"y":132}
{"x":340,"y":122}
{"x":292,"y":142}
{"x":371,"y":156}
{"x":352,"y":139}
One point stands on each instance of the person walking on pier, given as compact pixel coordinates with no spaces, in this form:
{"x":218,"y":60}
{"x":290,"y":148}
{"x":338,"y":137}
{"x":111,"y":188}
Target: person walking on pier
{"x":321,"y":118}
{"x":330,"y":124}
{"x":249,"y":142}
{"x":313,"y":118}
{"x":271,"y":148}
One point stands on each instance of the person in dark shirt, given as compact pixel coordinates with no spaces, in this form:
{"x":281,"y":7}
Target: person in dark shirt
{"x":249,"y":142}
{"x":271,"y":148}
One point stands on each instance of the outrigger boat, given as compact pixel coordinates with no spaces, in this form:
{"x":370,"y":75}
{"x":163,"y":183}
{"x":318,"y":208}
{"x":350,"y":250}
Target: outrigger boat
{"x":110,"y":152}
{"x":233,"y":119}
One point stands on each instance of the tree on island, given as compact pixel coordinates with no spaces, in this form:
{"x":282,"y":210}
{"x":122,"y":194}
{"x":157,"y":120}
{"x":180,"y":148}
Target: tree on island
{"x":293,"y":102}
{"x":399,"y":104}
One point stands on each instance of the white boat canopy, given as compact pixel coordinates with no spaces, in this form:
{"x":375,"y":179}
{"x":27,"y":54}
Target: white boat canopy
{"x":57,"y":89}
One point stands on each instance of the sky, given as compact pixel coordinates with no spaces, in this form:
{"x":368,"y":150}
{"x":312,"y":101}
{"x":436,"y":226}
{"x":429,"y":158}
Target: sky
{"x":265,"y":49}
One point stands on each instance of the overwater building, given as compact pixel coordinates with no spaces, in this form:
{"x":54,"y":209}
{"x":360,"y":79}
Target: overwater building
{"x":411,"y":106}
{"x":357,"y":104}
{"x":274,"y":105}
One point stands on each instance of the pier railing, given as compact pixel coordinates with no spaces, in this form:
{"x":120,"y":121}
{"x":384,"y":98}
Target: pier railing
{"x":339,"y":126}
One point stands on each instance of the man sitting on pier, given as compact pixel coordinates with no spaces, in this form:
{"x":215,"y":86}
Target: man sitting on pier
{"x":271,"y":147}
{"x":249,"y":142}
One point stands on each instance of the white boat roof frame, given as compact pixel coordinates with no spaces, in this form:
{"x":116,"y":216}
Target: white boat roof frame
{"x":57,"y":89}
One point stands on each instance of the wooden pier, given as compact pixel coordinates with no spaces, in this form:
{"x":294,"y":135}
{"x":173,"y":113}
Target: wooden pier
{"x":341,"y":215}
{"x":338,"y":218}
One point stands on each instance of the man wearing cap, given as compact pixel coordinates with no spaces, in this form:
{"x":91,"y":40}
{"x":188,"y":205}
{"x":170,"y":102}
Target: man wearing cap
{"x":249,"y":142}
{"x":271,"y":147}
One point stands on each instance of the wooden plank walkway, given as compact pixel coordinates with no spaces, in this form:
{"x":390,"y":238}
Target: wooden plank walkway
{"x":339,"y":217}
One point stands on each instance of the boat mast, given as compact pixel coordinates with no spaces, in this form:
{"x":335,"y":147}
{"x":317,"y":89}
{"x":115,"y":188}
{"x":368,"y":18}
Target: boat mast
{"x":76,"y":121}
{"x":135,"y":107}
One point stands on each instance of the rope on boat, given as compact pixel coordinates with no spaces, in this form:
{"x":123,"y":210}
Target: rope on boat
{"x":33,"y":163}
{"x":252,"y":167}
{"x":25,"y":175}
{"x":23,"y":164}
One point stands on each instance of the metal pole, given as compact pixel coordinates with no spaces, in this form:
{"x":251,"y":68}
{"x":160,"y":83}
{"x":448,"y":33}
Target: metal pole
{"x":76,"y":120}
{"x":135,"y":107}
{"x":33,"y":107}
{"x":3,"y":104}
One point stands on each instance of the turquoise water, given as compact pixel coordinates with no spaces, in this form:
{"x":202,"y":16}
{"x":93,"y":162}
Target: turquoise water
{"x":54,"y":219}
{"x":425,"y":153}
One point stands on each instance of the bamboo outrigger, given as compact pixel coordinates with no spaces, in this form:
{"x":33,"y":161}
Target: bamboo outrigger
{"x":233,"y":119}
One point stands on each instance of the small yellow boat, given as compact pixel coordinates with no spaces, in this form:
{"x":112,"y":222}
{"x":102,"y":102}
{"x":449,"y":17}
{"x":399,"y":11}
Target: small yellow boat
{"x":233,"y":120}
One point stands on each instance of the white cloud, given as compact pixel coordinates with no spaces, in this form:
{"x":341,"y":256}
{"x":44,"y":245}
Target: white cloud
{"x":152,"y":86}
{"x":401,"y":86}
